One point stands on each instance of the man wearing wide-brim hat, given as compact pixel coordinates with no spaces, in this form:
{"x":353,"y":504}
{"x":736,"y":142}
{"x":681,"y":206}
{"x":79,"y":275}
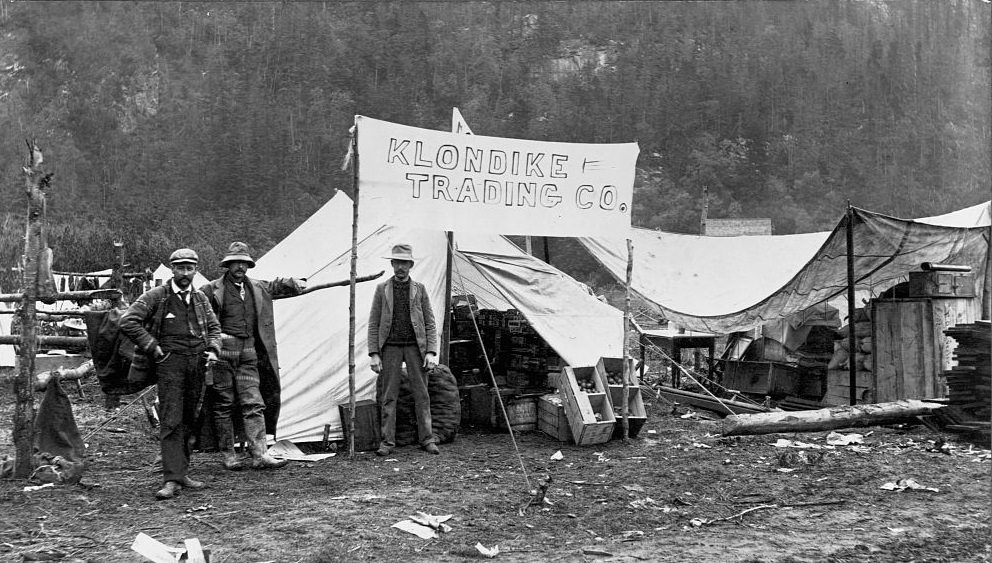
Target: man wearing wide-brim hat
{"x":247,"y":371}
{"x":173,"y":325}
{"x":402,"y":329}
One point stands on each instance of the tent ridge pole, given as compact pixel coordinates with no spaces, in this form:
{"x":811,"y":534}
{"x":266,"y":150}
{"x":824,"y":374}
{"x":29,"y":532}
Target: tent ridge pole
{"x":351,"y":296}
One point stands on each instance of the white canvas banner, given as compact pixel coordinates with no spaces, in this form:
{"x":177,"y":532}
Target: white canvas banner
{"x":457,"y":182}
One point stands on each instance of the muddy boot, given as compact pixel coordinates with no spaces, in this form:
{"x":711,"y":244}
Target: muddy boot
{"x":260,"y":458}
{"x":232,"y":461}
{"x":168,"y":491}
{"x":225,"y":442}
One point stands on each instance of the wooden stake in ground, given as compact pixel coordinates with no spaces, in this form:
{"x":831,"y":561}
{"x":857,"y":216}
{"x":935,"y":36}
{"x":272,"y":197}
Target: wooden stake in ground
{"x":827,"y":419}
{"x":351,"y":300}
{"x":627,"y":371}
{"x":35,"y":184}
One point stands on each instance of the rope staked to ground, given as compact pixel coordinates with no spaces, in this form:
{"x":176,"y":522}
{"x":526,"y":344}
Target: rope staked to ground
{"x":492,"y":377}
{"x":686,"y":372}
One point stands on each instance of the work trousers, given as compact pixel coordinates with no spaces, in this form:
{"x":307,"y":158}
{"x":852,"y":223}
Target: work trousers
{"x":236,"y":382}
{"x":180,"y":395}
{"x":392,"y":377}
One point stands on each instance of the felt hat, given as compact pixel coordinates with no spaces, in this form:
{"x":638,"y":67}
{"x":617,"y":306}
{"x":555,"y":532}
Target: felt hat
{"x":238,"y":252}
{"x":184,"y":256}
{"x":401,"y":252}
{"x":74,"y":324}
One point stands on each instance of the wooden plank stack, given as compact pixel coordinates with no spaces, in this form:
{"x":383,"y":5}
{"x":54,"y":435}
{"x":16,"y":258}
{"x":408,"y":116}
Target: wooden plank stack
{"x":970,"y":381}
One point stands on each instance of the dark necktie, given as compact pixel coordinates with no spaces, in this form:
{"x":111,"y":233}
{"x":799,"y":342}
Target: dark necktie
{"x":184,"y":295}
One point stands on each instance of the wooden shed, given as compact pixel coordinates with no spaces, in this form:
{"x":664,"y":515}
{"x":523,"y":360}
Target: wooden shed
{"x":910,"y":349}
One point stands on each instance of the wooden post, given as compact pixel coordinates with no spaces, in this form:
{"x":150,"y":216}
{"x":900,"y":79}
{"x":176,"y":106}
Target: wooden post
{"x":446,"y":321}
{"x":35,"y":182}
{"x":851,"y":340}
{"x":117,"y":273}
{"x":627,"y":373}
{"x":351,"y":297}
{"x":705,"y":212}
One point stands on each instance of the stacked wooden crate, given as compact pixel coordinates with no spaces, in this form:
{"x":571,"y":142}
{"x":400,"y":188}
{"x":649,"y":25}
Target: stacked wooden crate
{"x":970,"y":381}
{"x":587,"y":406}
{"x":611,"y":371}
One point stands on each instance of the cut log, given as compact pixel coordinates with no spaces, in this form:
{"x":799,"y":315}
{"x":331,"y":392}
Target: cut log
{"x":827,"y":419}
{"x":42,"y":379}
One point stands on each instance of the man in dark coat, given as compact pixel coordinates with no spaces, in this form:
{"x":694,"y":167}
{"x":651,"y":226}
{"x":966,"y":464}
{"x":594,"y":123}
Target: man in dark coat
{"x":402,"y":330}
{"x":173,"y":326}
{"x":247,"y":372}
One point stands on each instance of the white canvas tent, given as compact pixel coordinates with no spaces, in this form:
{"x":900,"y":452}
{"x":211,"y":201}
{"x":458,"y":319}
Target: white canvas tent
{"x":312,"y":330}
{"x":725,"y":284}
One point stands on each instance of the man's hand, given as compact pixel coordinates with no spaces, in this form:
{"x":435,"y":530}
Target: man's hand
{"x":211,"y":357}
{"x":158,"y":355}
{"x":376,"y":363}
{"x":430,"y":360}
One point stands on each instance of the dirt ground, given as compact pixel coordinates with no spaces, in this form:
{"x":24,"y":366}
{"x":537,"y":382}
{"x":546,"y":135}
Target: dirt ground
{"x":678,"y":492}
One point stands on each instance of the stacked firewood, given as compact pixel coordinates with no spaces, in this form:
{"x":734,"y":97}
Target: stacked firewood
{"x":970,"y":381}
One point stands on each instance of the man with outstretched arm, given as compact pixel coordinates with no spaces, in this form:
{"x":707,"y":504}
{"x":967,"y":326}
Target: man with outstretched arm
{"x":247,"y":373}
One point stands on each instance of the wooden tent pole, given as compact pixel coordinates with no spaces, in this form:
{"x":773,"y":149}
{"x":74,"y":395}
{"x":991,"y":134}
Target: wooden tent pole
{"x":627,"y":373}
{"x":852,"y":365}
{"x":446,"y":322}
{"x":351,"y":295}
{"x":35,"y":183}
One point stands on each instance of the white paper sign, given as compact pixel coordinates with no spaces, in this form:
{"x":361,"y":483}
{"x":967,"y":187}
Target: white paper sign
{"x":456,"y":182}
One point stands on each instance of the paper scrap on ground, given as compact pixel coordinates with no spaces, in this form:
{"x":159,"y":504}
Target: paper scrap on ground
{"x":412,"y":527}
{"x":425,"y":525}
{"x":838,"y":439}
{"x":154,"y":550}
{"x":558,"y":456}
{"x":903,"y":484}
{"x":488,"y":552}
{"x":30,"y":488}
{"x":287,"y":450}
{"x":783,"y":443}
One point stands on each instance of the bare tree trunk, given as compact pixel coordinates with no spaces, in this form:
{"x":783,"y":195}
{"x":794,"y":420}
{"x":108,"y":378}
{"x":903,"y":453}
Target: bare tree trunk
{"x":34,"y":183}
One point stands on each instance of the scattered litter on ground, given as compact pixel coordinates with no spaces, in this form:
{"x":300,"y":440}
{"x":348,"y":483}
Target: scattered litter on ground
{"x":904,"y":484}
{"x":838,"y":439}
{"x":154,"y":550}
{"x":489,"y":552}
{"x":31,"y":488}
{"x":557,"y":456}
{"x":285,"y":449}
{"x":783,"y":443}
{"x":423,"y":525}
{"x":596,"y":552}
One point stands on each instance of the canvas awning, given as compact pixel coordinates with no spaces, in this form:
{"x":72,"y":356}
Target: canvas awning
{"x":727,"y":284}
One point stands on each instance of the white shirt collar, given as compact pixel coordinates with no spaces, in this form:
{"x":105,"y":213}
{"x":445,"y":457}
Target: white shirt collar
{"x":176,"y":289}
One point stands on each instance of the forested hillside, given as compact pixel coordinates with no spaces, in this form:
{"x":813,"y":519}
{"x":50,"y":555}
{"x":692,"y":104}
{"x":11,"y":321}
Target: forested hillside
{"x":193,"y":124}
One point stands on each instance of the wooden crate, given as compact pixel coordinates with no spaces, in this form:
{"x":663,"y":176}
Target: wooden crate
{"x":367,"y":428}
{"x":477,"y":405}
{"x":521,"y":411}
{"x":637,"y":415}
{"x":551,"y":418}
{"x":838,"y":387}
{"x":763,"y":378}
{"x":614,"y":366}
{"x":590,"y":415}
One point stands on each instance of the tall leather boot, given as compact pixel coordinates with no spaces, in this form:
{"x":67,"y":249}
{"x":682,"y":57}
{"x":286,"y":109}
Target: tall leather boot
{"x":225,"y":442}
{"x":260,"y":458}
